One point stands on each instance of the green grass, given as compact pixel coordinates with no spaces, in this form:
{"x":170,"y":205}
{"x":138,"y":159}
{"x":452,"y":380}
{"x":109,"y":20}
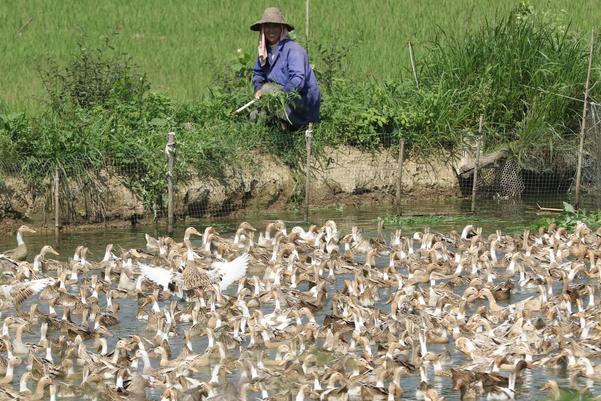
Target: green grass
{"x":183,"y":45}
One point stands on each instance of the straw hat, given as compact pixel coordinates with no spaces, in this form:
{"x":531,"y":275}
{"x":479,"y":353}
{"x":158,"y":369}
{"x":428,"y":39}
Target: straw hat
{"x":271,"y":15}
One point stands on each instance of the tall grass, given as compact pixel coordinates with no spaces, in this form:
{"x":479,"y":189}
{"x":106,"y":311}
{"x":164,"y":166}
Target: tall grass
{"x":182,"y":45}
{"x":522,"y":72}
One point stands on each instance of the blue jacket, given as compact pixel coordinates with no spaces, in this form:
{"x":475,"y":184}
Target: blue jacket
{"x":290,"y":69}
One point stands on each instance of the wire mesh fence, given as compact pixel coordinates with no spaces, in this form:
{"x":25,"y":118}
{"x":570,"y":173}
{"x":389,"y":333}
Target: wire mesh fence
{"x":85,"y":191}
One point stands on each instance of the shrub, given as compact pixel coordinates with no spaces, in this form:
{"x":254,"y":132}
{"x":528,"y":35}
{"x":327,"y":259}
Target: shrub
{"x":94,"y":77}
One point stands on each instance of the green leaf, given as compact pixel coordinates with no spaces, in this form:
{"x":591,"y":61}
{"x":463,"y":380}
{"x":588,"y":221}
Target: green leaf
{"x":568,"y":208}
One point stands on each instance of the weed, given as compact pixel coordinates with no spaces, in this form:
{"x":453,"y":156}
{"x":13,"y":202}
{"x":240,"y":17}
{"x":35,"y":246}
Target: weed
{"x":569,"y":218}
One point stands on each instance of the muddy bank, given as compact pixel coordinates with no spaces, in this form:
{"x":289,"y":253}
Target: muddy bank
{"x":346,"y":176}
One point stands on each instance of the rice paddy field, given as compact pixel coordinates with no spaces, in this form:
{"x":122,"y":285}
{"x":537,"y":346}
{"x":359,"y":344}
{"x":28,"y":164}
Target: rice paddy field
{"x":184,"y":44}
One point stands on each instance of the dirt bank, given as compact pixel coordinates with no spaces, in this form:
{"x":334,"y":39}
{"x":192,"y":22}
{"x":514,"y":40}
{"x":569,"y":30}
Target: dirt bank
{"x":346,"y":176}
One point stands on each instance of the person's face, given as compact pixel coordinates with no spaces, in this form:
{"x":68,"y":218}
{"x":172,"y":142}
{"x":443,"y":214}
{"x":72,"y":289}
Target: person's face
{"x":272,"y":32}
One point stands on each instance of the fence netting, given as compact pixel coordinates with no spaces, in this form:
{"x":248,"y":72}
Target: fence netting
{"x":543,"y":179}
{"x":102,"y":190}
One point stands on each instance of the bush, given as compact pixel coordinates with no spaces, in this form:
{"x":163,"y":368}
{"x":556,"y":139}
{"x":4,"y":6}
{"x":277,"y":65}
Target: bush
{"x":94,"y":77}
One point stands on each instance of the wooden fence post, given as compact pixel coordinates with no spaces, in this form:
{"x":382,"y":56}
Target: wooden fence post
{"x":309,"y":140}
{"x":477,"y":166}
{"x":399,"y":182}
{"x":583,"y":125}
{"x":170,"y":153}
{"x":56,"y":187}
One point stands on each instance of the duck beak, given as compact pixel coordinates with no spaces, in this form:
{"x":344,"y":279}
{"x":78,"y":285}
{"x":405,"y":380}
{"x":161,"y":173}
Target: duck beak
{"x":30,"y":230}
{"x":54,"y":252}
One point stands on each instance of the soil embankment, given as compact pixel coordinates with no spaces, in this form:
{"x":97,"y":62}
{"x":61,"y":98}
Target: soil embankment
{"x":346,"y":176}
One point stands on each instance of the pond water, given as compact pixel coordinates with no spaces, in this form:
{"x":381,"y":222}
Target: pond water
{"x":492,"y":216}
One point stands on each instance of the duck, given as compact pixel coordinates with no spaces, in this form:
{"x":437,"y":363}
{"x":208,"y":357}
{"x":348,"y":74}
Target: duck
{"x":40,"y":263}
{"x":12,"y":362}
{"x":588,"y":369}
{"x":502,"y":292}
{"x":553,"y":390}
{"x":502,"y":393}
{"x":471,"y":391}
{"x":19,"y":253}
{"x":38,"y":394}
{"x":272,"y":320}
{"x":244,"y":233}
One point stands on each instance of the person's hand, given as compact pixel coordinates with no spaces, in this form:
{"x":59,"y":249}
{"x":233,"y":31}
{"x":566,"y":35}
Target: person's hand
{"x":258,"y":94}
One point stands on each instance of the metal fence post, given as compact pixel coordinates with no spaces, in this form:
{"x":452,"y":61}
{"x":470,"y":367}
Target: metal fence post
{"x":56,"y":204}
{"x":170,"y":153}
{"x":309,"y":139}
{"x":477,"y":166}
{"x":399,"y":182}
{"x":583,"y":125}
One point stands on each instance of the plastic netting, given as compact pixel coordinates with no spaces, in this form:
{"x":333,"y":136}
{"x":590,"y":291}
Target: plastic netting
{"x":547,"y":179}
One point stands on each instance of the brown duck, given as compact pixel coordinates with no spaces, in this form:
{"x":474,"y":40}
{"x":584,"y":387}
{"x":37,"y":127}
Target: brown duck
{"x":19,"y":253}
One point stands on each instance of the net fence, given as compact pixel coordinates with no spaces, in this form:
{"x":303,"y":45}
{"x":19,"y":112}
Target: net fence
{"x":545,"y":179}
{"x":103,"y":190}
{"x":86,"y":191}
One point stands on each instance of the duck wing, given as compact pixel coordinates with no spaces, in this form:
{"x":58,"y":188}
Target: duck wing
{"x":229,"y":272}
{"x":7,"y":263}
{"x":13,"y":253}
{"x":158,"y":275}
{"x":21,"y":291}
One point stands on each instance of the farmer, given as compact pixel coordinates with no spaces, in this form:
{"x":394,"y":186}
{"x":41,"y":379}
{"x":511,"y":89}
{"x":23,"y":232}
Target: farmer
{"x":282,"y":64}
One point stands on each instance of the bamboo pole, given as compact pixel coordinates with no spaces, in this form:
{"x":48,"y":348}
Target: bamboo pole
{"x":56,"y":204}
{"x":475,"y":181}
{"x":583,"y":125}
{"x":170,"y":153}
{"x":309,"y":140}
{"x":413,"y":65}
{"x":399,"y":182}
{"x":307,"y":24}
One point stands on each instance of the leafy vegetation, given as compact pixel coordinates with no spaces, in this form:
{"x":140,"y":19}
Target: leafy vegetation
{"x":570,"y":217}
{"x":102,"y":110}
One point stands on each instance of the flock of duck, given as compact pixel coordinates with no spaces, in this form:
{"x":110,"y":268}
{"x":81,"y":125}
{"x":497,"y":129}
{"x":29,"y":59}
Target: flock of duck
{"x":295,"y":314}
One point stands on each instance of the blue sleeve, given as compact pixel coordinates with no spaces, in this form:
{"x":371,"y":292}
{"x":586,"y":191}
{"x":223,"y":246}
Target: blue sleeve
{"x":297,"y":60}
{"x":259,"y":76}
